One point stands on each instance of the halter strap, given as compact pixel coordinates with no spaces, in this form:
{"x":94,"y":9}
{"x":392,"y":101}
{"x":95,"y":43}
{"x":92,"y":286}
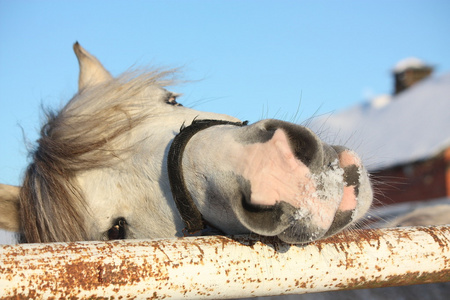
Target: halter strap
{"x":189,"y":212}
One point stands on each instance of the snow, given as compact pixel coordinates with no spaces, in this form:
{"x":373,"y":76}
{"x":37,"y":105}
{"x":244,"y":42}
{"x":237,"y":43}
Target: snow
{"x":408,"y":63}
{"x":388,"y":131}
{"x":380,"y":101}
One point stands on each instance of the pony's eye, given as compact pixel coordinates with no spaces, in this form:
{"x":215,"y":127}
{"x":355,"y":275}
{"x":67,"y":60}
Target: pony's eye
{"x":172,"y":100}
{"x":117,"y":231}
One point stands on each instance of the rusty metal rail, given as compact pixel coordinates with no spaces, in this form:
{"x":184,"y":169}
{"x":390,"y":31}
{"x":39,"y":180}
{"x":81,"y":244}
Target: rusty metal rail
{"x":222,"y":267}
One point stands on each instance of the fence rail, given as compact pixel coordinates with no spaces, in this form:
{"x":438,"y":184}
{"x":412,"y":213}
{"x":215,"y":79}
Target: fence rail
{"x":224,"y":267}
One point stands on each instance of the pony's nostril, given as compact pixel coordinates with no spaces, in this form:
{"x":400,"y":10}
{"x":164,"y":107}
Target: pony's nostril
{"x":341,"y":220}
{"x":304,"y":143}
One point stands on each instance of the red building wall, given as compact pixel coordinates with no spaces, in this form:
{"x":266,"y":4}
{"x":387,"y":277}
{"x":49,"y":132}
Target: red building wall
{"x":418,"y":181}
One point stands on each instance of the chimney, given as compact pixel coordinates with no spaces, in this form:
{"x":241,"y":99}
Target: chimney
{"x":408,"y":72}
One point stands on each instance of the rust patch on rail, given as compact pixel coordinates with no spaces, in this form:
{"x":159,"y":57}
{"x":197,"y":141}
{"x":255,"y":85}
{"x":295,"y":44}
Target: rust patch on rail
{"x":442,"y":242}
{"x":74,"y":274}
{"x":409,"y":278}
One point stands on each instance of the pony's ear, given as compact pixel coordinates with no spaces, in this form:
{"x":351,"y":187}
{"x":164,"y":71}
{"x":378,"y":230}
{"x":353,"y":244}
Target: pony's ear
{"x":91,"y":70}
{"x":9,"y":207}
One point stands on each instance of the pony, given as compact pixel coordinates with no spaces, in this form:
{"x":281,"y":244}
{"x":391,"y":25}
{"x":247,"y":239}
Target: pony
{"x":124,"y":159}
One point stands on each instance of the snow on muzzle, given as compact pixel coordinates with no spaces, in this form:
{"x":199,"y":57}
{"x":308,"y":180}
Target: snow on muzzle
{"x":296,"y":187}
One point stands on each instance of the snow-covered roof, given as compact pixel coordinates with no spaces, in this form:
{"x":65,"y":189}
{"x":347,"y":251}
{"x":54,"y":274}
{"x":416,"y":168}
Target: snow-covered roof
{"x":409,"y":63}
{"x":409,"y":126}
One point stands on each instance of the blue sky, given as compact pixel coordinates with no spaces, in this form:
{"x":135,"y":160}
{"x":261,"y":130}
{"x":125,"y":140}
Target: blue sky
{"x":249,"y":59}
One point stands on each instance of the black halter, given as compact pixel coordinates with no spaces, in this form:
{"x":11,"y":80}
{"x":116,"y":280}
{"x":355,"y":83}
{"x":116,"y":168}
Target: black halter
{"x":190,"y":214}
